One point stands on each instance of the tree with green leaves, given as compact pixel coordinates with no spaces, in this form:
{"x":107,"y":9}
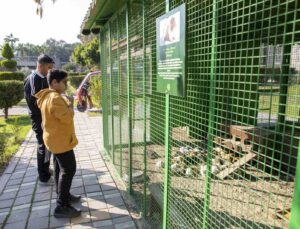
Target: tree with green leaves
{"x":92,"y":53}
{"x":71,"y":67}
{"x":27,"y":49}
{"x":8,"y":63}
{"x":11,"y":93}
{"x":7,"y":51}
{"x":87,"y":54}
{"x":59,"y":49}
{"x":11,"y":83}
{"x":77,"y":55}
{"x":11,"y":40}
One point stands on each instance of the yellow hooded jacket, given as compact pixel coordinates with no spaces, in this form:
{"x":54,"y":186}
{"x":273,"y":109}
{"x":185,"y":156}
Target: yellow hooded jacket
{"x":58,"y":126}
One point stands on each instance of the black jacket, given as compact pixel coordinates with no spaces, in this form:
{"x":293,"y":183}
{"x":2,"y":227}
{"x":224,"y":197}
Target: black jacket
{"x":32,"y":85}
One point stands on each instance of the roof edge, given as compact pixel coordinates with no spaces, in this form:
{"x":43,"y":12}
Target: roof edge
{"x":99,"y":13}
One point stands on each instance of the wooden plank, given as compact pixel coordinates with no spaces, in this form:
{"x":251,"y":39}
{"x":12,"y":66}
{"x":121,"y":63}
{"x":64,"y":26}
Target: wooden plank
{"x":236,"y":165}
{"x":283,"y":213}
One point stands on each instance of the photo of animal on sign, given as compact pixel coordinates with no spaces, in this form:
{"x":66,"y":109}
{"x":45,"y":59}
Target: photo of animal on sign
{"x":170,"y":29}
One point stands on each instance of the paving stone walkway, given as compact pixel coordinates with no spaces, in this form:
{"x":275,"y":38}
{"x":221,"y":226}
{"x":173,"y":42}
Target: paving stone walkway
{"x":26,"y":204}
{"x":16,"y":110}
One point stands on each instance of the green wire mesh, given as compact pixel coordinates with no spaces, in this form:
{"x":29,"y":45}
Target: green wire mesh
{"x":155,"y":121}
{"x":234,"y":137}
{"x":137,"y":103}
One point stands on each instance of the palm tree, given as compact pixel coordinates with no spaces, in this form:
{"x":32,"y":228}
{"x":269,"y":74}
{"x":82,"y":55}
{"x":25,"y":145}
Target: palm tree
{"x":21,"y":50}
{"x":11,"y":40}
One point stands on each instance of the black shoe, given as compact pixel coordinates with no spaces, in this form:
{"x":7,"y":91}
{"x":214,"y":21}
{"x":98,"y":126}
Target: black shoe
{"x":50,"y":182}
{"x":66,"y":212}
{"x":74,"y":198}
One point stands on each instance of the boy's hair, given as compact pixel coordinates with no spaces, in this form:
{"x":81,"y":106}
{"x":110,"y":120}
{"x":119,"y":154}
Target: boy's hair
{"x":45,"y":59}
{"x":57,"y":75}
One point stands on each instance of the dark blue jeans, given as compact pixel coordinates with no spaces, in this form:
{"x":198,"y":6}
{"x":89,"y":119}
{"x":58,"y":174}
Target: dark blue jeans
{"x":43,"y":167}
{"x":64,"y":171}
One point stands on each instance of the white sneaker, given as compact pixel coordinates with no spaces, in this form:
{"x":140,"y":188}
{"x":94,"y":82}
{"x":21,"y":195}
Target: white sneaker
{"x":47,"y":183}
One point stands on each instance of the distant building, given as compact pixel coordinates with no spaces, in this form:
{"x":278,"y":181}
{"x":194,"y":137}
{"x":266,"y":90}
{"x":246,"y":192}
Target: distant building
{"x":30,"y":62}
{"x":272,"y":56}
{"x":295,"y":57}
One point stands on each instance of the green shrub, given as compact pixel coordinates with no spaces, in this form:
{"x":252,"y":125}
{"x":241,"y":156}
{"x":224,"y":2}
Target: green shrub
{"x":16,"y":130}
{"x":11,"y":93}
{"x":96,"y":90}
{"x":9,"y":64}
{"x":7,"y":51}
{"x":3,"y":141}
{"x":19,"y":76}
{"x":3,"y":145}
{"x":70,"y":67}
{"x":71,"y":90}
{"x":77,"y":73}
{"x":74,"y":74}
{"x":25,"y":70}
{"x":76,"y":80}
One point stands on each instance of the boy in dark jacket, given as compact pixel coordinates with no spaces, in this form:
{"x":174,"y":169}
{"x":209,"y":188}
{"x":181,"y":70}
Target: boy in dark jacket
{"x":33,"y":83}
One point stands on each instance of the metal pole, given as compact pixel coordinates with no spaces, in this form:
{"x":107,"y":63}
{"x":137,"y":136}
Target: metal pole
{"x":167,"y":6}
{"x":104,"y":98}
{"x":111,"y":98}
{"x":212,"y":96}
{"x":119,"y":94}
{"x":167,"y":159}
{"x":145,"y":115}
{"x":167,"y":155}
{"x":284,"y":79}
{"x":295,"y":215}
{"x":129,"y":99}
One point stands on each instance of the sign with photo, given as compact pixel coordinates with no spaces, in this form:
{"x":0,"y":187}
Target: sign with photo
{"x":170,"y":39}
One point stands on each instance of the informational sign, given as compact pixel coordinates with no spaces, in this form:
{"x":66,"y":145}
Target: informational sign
{"x":170,"y":30}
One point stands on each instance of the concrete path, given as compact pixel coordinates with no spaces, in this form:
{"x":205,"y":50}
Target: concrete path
{"x":16,"y":110}
{"x":26,"y":204}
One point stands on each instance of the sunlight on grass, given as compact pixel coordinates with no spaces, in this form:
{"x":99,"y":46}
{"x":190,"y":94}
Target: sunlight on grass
{"x":12,"y":133}
{"x":270,"y":100}
{"x":22,"y":103}
{"x":94,"y":114}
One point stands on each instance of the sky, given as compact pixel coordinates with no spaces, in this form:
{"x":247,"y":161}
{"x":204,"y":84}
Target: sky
{"x":60,"y":21}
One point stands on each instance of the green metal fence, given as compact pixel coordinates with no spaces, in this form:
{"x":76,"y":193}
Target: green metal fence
{"x":233,"y":140}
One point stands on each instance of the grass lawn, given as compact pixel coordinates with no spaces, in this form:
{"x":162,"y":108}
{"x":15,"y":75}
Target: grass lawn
{"x":271,"y":100}
{"x":94,"y":114}
{"x":12,"y":132}
{"x":22,"y":103}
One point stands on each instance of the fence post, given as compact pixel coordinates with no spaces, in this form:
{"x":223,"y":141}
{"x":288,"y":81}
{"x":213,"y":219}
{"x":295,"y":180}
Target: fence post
{"x":295,"y":211}
{"x":167,"y":159}
{"x":145,"y":115}
{"x":119,"y":98}
{"x":295,"y":214}
{"x":212,"y":95}
{"x":111,"y":97}
{"x":167,"y":156}
{"x":104,"y":95}
{"x":129,"y":97}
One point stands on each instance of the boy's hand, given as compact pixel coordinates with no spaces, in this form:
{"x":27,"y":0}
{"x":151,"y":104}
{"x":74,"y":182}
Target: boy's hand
{"x":71,"y":99}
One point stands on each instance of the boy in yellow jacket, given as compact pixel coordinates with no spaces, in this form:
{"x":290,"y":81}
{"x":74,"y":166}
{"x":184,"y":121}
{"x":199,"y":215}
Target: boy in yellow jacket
{"x":60,"y":139}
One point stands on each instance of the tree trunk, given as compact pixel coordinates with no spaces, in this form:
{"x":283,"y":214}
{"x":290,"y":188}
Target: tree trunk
{"x":6,"y":112}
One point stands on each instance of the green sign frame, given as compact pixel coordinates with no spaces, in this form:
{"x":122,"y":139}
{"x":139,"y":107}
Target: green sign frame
{"x":171,"y":42}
